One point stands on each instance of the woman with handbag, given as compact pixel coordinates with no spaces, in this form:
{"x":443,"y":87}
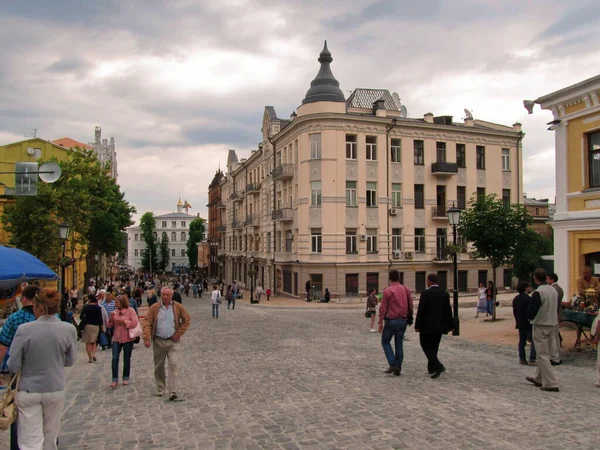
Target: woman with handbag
{"x":91,"y":322}
{"x":215,"y":299}
{"x":371,"y":311}
{"x":125,"y":325}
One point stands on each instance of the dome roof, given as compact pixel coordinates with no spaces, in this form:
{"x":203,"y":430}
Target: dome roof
{"x":324,"y":88}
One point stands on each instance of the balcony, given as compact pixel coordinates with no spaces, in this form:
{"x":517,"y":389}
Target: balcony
{"x":439,"y":213}
{"x":252,"y":221}
{"x":221,"y":228}
{"x":252,"y":188}
{"x":439,"y":256}
{"x":220,"y":205}
{"x":444,"y":168}
{"x":237,"y":225}
{"x":236,"y":197}
{"x":283,"y":214}
{"x":285,"y":257}
{"x":283,"y":172}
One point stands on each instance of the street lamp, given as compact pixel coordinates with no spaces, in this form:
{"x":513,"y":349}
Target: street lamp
{"x":63,"y":232}
{"x":251,"y":273}
{"x":454,"y":220}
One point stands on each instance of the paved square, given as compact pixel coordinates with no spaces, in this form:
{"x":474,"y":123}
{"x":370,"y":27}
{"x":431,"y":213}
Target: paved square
{"x":274,"y":378}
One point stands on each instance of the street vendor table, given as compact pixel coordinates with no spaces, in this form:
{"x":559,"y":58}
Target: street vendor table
{"x":583,"y":321}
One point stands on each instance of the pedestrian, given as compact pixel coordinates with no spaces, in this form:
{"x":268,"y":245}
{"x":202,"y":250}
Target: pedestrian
{"x":7,"y":335}
{"x":372,"y":308}
{"x":164,"y":325}
{"x":151,"y":297}
{"x":121,"y":321}
{"x":259,"y":292}
{"x":268,"y":294}
{"x":228,"y":296}
{"x":91,"y":323}
{"x":434,"y":319}
{"x":307,"y":287}
{"x":520,"y":307}
{"x":92,"y":288}
{"x":482,"y":303}
{"x":74,"y":296}
{"x":542,"y":315}
{"x":187,"y":289}
{"x":552,"y":280}
{"x":40,"y":351}
{"x":177,"y":297}
{"x":215,"y":300}
{"x":109,"y":305}
{"x":234,"y":293}
{"x":490,"y":294}
{"x":327,"y":297}
{"x":397,"y":311}
{"x":195,"y":289}
{"x":205,"y":284}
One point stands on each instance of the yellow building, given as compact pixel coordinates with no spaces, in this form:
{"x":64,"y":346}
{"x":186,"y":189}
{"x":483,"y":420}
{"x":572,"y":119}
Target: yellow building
{"x":576,"y":224}
{"x":32,"y":150}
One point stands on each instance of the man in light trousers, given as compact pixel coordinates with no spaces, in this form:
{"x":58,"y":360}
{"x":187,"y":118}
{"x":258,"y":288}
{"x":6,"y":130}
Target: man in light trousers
{"x":163,"y":327}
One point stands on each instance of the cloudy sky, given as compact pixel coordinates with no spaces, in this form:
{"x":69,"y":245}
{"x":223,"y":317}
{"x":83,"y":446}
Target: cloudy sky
{"x":179,"y":82}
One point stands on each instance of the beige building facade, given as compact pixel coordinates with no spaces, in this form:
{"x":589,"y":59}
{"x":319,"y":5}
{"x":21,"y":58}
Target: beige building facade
{"x":347,"y":189}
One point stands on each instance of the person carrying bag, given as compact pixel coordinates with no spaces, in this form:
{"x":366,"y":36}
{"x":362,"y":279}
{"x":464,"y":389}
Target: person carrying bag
{"x":8,"y":408}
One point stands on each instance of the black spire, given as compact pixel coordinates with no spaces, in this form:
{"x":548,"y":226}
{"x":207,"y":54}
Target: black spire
{"x":324,"y":88}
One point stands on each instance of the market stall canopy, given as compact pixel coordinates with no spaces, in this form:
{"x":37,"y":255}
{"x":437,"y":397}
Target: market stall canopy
{"x":17,"y":266}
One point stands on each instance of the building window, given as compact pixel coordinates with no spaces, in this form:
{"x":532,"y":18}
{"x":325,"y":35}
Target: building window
{"x":440,"y":151}
{"x":372,"y":240}
{"x":420,"y":281}
{"x":351,"y":193}
{"x":352,"y":284}
{"x":537,"y":211}
{"x":351,"y":241}
{"x":419,"y":196}
{"x":173,"y":224}
{"x":506,"y":197}
{"x":505,"y":159}
{"x":463,"y":276}
{"x":371,"y":147}
{"x":420,"y":240}
{"x":183,"y":236}
{"x":164,"y":224}
{"x":594,"y":161}
{"x":372,"y":281}
{"x":182,"y":252}
{"x":136,"y":252}
{"x":419,"y":149}
{"x":351,"y":146}
{"x":396,"y":149}
{"x":315,"y":193}
{"x":371,"y":194}
{"x":315,"y":146}
{"x":173,"y":236}
{"x":316,"y":240}
{"x":172,"y":252}
{"x":396,"y":195}
{"x":396,"y":238}
{"x":135,"y":237}
{"x":480,"y":194}
{"x":480,"y":152}
{"x":461,"y":197}
{"x":461,"y":160}
{"x":268,"y":242}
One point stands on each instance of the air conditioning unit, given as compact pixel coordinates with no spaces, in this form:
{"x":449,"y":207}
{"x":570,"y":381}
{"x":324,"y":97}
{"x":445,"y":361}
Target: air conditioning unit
{"x":397,"y":254}
{"x":473,"y":254}
{"x":393,"y":211}
{"x":408,"y":255}
{"x":363,"y":237}
{"x":30,"y":150}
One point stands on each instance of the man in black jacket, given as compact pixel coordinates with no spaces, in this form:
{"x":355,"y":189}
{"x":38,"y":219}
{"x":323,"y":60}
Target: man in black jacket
{"x":520,"y":307}
{"x":434,"y":318}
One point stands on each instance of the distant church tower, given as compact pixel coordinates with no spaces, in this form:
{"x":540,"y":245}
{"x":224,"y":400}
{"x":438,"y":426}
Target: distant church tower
{"x":105,"y":150}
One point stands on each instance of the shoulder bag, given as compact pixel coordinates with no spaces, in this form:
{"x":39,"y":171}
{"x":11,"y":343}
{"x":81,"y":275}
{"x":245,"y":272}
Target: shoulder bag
{"x":8,"y":408}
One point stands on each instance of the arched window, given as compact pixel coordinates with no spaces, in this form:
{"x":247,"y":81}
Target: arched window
{"x":164,"y":235}
{"x":155,"y":235}
{"x":183,"y":236}
{"x":173,"y":236}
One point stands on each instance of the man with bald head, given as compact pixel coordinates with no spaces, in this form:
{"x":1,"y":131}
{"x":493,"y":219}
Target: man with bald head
{"x":164,"y":324}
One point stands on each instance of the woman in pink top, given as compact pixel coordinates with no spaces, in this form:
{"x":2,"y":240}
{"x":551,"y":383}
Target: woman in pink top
{"x":121,"y":320}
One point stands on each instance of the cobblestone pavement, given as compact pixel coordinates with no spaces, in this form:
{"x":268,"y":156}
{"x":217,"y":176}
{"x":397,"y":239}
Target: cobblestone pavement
{"x":277,"y":378}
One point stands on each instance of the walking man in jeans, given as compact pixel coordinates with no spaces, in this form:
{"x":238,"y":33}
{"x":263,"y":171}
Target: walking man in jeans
{"x":397,"y":311}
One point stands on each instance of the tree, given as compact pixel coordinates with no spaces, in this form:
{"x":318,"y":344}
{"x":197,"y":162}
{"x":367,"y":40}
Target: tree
{"x":495,"y":229}
{"x":150,"y":254}
{"x":528,"y":254}
{"x":165,"y":252}
{"x":196,"y":234}
{"x":86,"y":198}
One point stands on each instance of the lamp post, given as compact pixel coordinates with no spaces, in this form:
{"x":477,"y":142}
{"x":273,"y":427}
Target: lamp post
{"x":251,"y":272}
{"x":63,"y":232}
{"x":96,"y":259}
{"x":454,"y":220}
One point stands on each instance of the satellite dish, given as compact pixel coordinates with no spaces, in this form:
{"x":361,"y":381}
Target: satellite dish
{"x":403,"y":111}
{"x":468,"y":115}
{"x":396,"y":98}
{"x":49,"y":172}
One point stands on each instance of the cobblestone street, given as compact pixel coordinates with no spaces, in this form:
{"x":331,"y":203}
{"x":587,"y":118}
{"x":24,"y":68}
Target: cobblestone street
{"x":280,"y":378}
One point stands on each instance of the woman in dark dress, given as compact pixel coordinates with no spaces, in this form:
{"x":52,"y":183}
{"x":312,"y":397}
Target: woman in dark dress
{"x":90,"y":324}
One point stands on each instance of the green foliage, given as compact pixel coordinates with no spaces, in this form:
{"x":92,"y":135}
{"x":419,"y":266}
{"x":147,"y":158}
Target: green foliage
{"x":150,"y":254}
{"x":495,"y":229}
{"x":196,"y":234}
{"x":86,"y":198}
{"x":165,"y":253}
{"x":527,"y":256}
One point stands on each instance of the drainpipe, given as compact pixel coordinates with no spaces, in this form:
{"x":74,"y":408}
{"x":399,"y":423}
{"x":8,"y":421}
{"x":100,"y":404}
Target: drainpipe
{"x":387,"y":184}
{"x":274,"y":226}
{"x":519,"y":156}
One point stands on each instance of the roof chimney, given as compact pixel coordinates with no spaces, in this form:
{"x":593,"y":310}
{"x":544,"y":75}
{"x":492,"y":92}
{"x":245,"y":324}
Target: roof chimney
{"x":516,"y":126}
{"x":428,"y":117}
{"x":468,"y":122}
{"x":379,"y":108}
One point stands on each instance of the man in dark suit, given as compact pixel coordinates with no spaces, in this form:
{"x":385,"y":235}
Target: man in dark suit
{"x":434,"y":318}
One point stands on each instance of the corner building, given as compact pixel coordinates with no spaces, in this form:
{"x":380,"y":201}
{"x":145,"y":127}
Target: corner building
{"x":347,"y":189}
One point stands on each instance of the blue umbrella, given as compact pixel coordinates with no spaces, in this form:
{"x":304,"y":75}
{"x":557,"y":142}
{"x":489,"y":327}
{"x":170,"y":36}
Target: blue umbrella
{"x":17,"y":266}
